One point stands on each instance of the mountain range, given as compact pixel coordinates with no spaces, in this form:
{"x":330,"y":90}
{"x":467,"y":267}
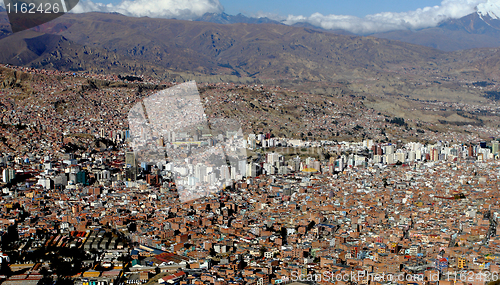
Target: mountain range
{"x":394,"y":76}
{"x":100,"y":42}
{"x":477,"y":30}
{"x":471,"y":31}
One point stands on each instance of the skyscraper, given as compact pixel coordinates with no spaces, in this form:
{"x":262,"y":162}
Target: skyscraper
{"x":130,"y":159}
{"x":82,"y":178}
{"x":251,"y":170}
{"x":242,"y":167}
{"x":494,"y":147}
{"x":8,"y":175}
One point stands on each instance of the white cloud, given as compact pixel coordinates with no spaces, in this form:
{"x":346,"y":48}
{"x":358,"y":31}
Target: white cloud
{"x":179,"y":9}
{"x":387,"y":21}
{"x":490,"y":8}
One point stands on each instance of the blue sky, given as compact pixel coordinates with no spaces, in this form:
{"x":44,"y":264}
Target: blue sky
{"x":358,"y":8}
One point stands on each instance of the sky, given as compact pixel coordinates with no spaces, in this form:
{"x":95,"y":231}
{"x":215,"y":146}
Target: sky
{"x":361,"y":17}
{"x":359,"y":8}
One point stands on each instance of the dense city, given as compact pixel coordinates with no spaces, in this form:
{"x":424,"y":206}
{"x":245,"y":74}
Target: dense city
{"x":80,"y":206}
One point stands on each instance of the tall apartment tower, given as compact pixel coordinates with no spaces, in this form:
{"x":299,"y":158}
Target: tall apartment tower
{"x":494,"y":147}
{"x":8,"y":174}
{"x":130,"y":158}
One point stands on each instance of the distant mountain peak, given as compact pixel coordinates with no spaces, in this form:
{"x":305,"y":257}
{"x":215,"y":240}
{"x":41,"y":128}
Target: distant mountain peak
{"x":490,"y":8}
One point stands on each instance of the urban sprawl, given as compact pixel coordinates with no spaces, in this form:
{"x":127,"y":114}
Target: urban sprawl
{"x":295,"y":211}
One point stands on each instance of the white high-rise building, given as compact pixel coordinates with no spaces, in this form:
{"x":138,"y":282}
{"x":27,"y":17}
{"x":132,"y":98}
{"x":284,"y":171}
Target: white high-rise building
{"x":283,"y":170}
{"x":200,"y":171}
{"x":400,"y":156}
{"x":269,"y":168}
{"x":224,"y":173}
{"x":389,"y":149}
{"x":272,"y":158}
{"x":412,"y":156}
{"x":8,"y":175}
{"x":242,"y":167}
{"x":5,"y":174}
{"x":494,"y":147}
{"x":390,"y":158}
{"x":251,"y":170}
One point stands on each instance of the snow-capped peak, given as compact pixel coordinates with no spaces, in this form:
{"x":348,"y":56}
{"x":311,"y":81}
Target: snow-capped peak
{"x":490,"y":8}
